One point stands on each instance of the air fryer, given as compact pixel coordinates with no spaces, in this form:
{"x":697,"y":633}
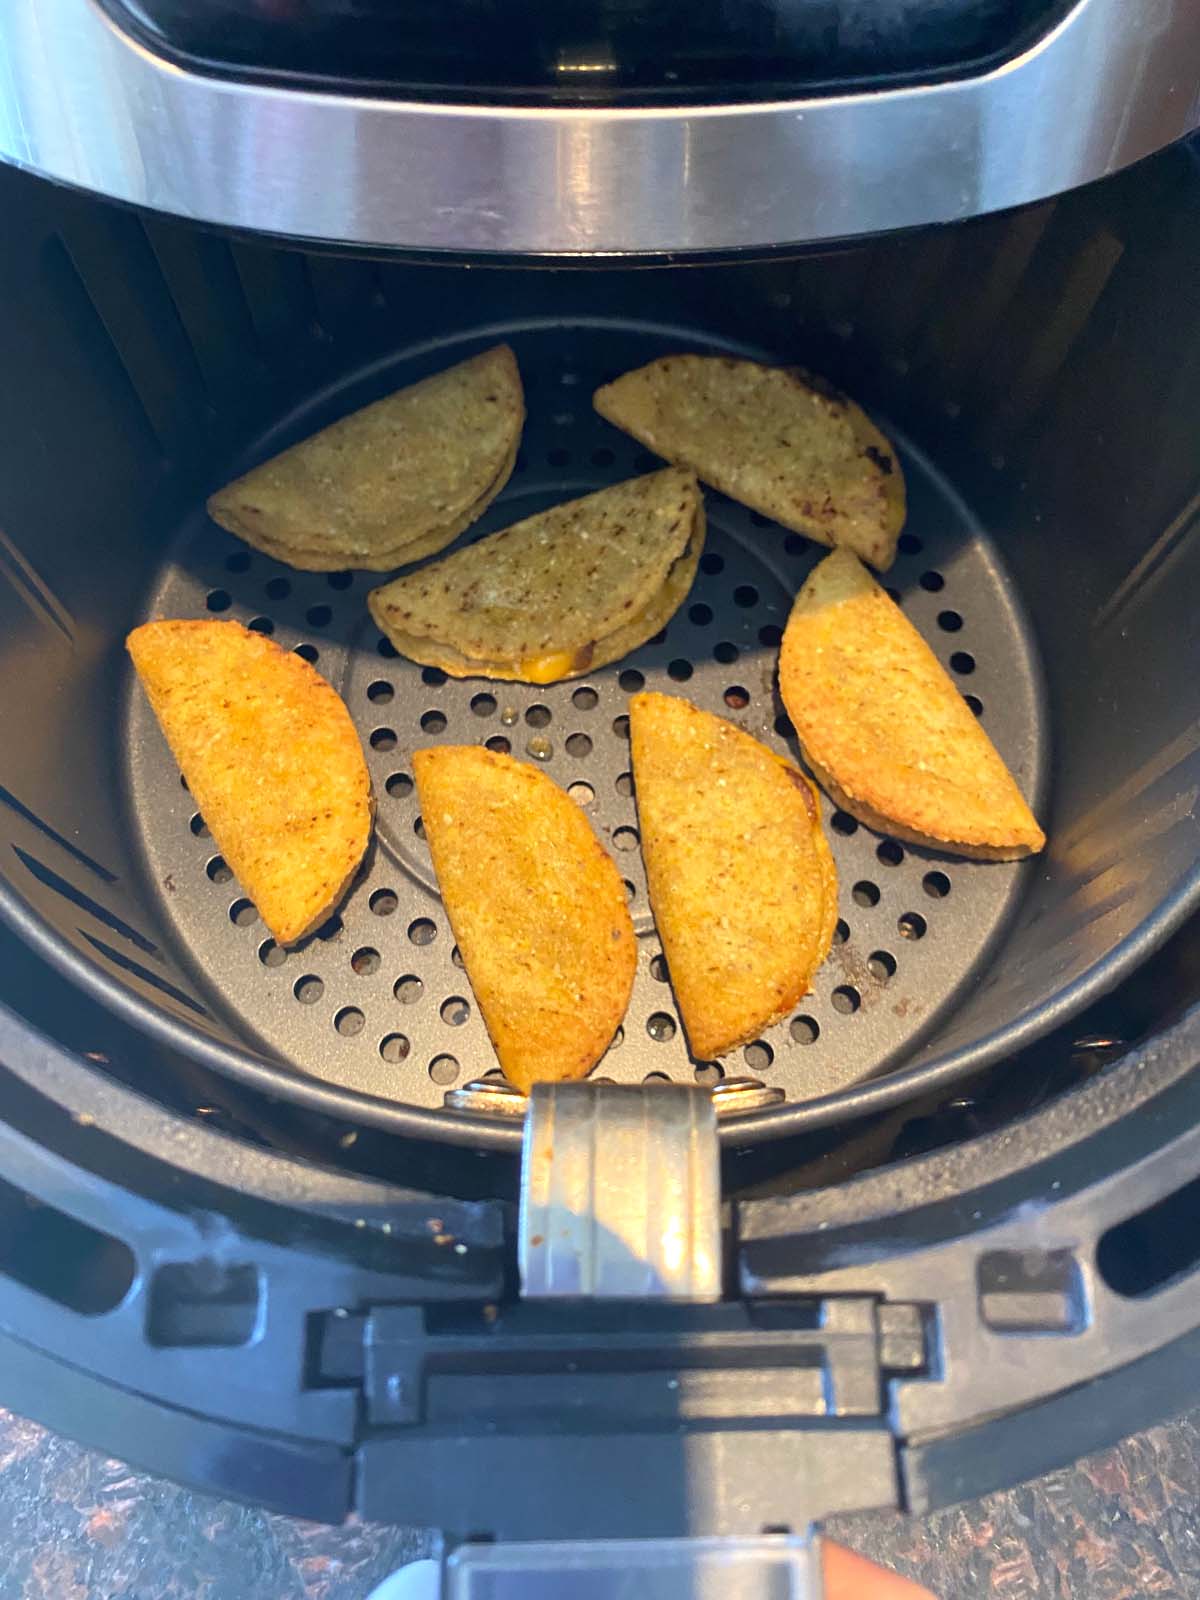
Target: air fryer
{"x":258,"y":1207}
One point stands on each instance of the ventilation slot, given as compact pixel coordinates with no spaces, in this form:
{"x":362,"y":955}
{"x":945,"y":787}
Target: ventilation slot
{"x":1147,"y":1251}
{"x":60,"y":1257}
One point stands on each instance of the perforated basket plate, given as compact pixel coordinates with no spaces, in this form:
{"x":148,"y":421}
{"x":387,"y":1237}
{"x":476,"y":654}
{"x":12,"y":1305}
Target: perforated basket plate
{"x":378,"y":1000}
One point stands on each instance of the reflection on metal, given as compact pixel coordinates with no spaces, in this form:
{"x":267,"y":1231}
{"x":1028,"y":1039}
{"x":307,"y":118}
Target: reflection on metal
{"x":736,"y":1096}
{"x":620,"y":1194}
{"x":83,"y":103}
{"x":487,"y":1097}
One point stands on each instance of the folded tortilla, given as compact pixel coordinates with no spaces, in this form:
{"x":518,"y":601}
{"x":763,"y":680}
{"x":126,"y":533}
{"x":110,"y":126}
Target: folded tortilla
{"x":392,"y":483}
{"x":742,"y":881}
{"x":538,"y":910}
{"x":561,"y":593}
{"x":884,"y":727}
{"x":777,"y":439}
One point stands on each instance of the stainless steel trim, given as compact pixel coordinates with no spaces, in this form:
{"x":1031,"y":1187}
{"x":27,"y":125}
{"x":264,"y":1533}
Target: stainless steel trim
{"x":83,"y":103}
{"x":492,"y":1097}
{"x":620,"y":1193}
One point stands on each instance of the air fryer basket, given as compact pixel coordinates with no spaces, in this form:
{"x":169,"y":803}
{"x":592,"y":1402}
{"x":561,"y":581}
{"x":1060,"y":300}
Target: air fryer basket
{"x":1038,"y":373}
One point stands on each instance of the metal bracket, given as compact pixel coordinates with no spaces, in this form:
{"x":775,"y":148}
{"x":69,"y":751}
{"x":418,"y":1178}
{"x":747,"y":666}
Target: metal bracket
{"x":620,"y":1193}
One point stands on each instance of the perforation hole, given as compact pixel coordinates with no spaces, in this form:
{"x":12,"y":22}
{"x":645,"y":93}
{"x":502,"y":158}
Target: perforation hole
{"x":383,"y":902}
{"x":700,"y":614}
{"x":538,"y":716}
{"x":908,"y":544}
{"x":408,"y":989}
{"x":621,"y":726}
{"x":725,"y":653}
{"x":881,"y":964}
{"x":384,"y":739}
{"x":602,"y":457}
{"x":399,"y":786}
{"x":579,"y":745}
{"x":842,"y":822}
{"x":483,"y":705}
{"x":625,"y":839}
{"x":658,"y":968}
{"x":845,"y":999}
{"x":433,"y":677}
{"x":218,"y":871}
{"x":329,"y":929}
{"x":349,"y":1022}
{"x":199,"y":827}
{"x":308,"y":989}
{"x":271,"y":954}
{"x":262,"y":625}
{"x":841,"y":931}
{"x":932,"y":582}
{"x":443,"y":1070}
{"x":277,"y":589}
{"x":770,"y":634}
{"x":394,"y":1048}
{"x":889,"y":852}
{"x":422,"y":931}
{"x":339,"y":580}
{"x":584,"y":698}
{"x":456,"y":958}
{"x":736,"y":697}
{"x":631,"y":680}
{"x":498,"y":745}
{"x":386,"y":649}
{"x":912,"y":925}
{"x":218,"y":600}
{"x":975,"y":703}
{"x":454,"y":1011}
{"x":784,"y":726}
{"x":661,"y":1027}
{"x":558,"y":458}
{"x":962,"y":662}
{"x":758,"y":1056}
{"x":630,"y":889}
{"x":380,"y":692}
{"x":711,"y":563}
{"x":709,"y":1073}
{"x":419,"y":827}
{"x":949,"y":621}
{"x":242,"y":913}
{"x":804,"y":1030}
{"x":582,"y":793}
{"x":624,"y":784}
{"x":432,"y":722}
{"x":746,"y":596}
{"x":795,"y":545}
{"x":865,"y":893}
{"x":365,"y":961}
{"x":309,"y":653}
{"x":936,"y":885}
{"x":239,"y":561}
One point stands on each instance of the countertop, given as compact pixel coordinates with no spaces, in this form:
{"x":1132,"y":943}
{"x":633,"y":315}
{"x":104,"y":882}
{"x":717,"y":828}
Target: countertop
{"x":75,"y":1525}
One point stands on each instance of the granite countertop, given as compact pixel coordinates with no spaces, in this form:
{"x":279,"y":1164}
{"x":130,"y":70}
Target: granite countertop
{"x":76,"y":1525}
